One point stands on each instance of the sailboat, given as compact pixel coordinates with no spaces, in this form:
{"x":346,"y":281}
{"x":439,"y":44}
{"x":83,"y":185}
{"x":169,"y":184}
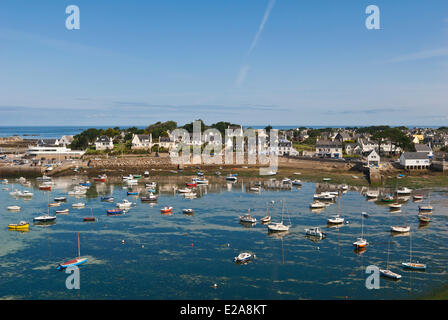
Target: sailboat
{"x":337,"y":218}
{"x":89,"y":219}
{"x":386,"y":272}
{"x":75,"y":262}
{"x":279,"y":226}
{"x":410,"y":264}
{"x":428,"y":207}
{"x":361,"y":243}
{"x":267,"y":218}
{"x":400,"y":229}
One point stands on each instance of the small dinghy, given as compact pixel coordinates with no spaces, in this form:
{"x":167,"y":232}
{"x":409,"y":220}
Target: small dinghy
{"x":188,"y":211}
{"x":425,"y":208}
{"x":60,"y":199}
{"x":190,"y":195}
{"x":296,"y":182}
{"x":78,"y":205}
{"x":400,"y":229}
{"x":390,"y":274}
{"x":14,"y":208}
{"x":395,"y":206}
{"x":65,"y":211}
{"x":231,"y":178}
{"x":107,"y":199}
{"x":101,"y":178}
{"x":114,"y":212}
{"x":243,"y":257}
{"x":132,"y":193}
{"x":388,"y":199}
{"x":55,"y":204}
{"x":166,"y":210}
{"x":186,"y":190}
{"x":417,"y":197}
{"x":21,"y":226}
{"x":424,"y":218}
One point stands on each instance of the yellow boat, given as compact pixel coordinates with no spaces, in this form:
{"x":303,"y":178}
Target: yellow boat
{"x":21,"y":226}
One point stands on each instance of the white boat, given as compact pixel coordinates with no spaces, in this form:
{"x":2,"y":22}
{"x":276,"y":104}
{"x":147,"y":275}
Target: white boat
{"x":390,"y":274}
{"x":125,"y":204}
{"x":296,"y":182}
{"x":424,"y":218}
{"x":344,"y":187}
{"x":255,"y":189}
{"x":14,"y":208}
{"x":55,"y":204}
{"x":317,"y":205}
{"x":43,"y":178}
{"x":185,"y":190}
{"x":200,"y":181}
{"x":361,"y":243}
{"x":278,"y":226}
{"x":15,"y":193}
{"x":243,"y":257}
{"x":247,"y":218}
{"x":324,"y":196}
{"x":5,"y":181}
{"x":286,"y":181}
{"x":65,"y":211}
{"x":400,"y":229}
{"x":151,"y":185}
{"x":129,"y":177}
{"x":336,"y":219}
{"x":78,"y":205}
{"x":267,"y":218}
{"x":231,"y":178}
{"x":190,"y":195}
{"x":60,"y":199}
{"x":386,"y":272}
{"x":25,"y":194}
{"x":44,"y":218}
{"x":131,"y":181}
{"x":315,"y":232}
{"x":188,"y":211}
{"x":403,"y":191}
{"x":395,"y":206}
{"x":410,"y":264}
{"x":372,"y":194}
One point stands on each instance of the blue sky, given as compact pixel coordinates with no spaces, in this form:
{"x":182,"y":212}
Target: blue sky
{"x":255,"y":62}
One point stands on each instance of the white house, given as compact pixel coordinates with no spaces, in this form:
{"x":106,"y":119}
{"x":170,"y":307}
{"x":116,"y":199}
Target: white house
{"x":415,"y":160}
{"x":104,"y":143}
{"x":166,"y":143}
{"x":373,"y":159}
{"x":66,"y":140}
{"x":141,"y":141}
{"x":285,"y":148}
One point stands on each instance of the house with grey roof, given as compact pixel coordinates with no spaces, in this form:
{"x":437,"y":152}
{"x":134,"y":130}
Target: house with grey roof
{"x":141,"y":141}
{"x":104,"y":143}
{"x":425,"y":149}
{"x":414,"y":160}
{"x":329,"y":149}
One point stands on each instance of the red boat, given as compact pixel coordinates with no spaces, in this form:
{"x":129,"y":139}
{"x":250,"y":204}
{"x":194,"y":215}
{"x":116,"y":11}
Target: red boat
{"x":191,"y":185}
{"x":166,"y":210}
{"x":46,"y":188}
{"x":89,"y":219}
{"x":102,"y":178}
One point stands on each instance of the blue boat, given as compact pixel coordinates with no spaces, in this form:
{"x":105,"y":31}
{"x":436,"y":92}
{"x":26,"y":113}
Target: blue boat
{"x":151,"y":190}
{"x":75,"y":262}
{"x":132,"y":193}
{"x":85,"y":184}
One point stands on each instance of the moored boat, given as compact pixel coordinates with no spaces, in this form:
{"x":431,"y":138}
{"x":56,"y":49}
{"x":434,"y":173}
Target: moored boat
{"x":21,"y":226}
{"x":166,"y":210}
{"x":114,"y":212}
{"x":243,"y":257}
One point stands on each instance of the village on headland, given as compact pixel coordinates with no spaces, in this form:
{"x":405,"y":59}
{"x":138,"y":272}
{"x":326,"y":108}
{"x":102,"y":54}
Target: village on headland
{"x":374,"y":155}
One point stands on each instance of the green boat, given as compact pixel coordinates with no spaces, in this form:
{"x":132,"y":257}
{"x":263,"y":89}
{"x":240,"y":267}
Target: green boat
{"x":388,"y":199}
{"x":137,"y":176}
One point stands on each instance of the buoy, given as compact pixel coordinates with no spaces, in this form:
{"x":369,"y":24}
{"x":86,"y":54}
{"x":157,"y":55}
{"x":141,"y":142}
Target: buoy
{"x":143,"y":245}
{"x":228,"y":245}
{"x":122,"y":241}
{"x":215,"y":286}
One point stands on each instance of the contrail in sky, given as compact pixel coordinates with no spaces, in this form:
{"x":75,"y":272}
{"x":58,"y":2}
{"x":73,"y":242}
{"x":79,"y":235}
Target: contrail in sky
{"x":261,"y":27}
{"x":245,"y":68}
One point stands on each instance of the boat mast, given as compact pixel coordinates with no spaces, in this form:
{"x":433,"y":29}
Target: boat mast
{"x":79,"y":248}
